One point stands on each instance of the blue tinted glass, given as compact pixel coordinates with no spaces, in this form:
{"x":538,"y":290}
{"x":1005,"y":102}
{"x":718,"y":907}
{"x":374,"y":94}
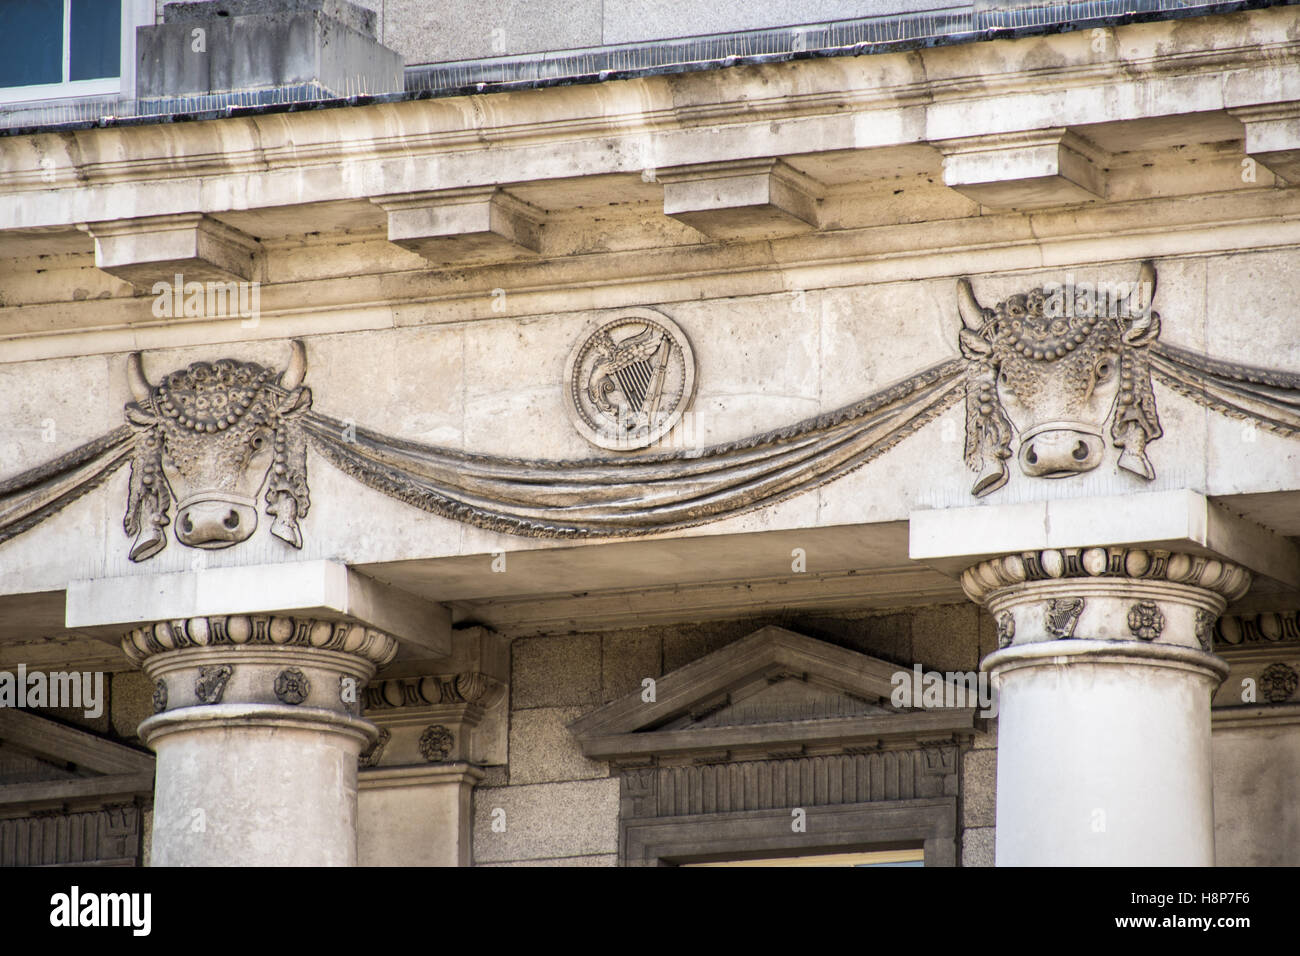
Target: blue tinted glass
{"x":31,"y":42}
{"x":96,"y":46}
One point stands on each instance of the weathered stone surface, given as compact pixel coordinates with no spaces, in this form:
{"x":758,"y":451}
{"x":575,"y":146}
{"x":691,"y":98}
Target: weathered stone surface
{"x":946,"y":638}
{"x":469,"y":356}
{"x":692,"y":641}
{"x":979,"y":788}
{"x":977,"y":846}
{"x":1254,"y":768}
{"x":627,"y":658}
{"x":627,"y":21}
{"x":146,"y":837}
{"x":555,"y":671}
{"x":131,"y":698}
{"x":255,"y":46}
{"x":547,"y":821}
{"x":888,"y":636}
{"x":988,"y":633}
{"x":543,"y":751}
{"x":436,"y":34}
{"x":498,"y":776}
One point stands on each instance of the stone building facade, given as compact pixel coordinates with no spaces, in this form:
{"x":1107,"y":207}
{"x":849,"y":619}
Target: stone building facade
{"x":619,"y":435}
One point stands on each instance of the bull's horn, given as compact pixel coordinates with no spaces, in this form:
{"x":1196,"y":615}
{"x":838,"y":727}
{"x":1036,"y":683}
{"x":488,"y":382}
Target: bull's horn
{"x":296,"y":370}
{"x":972,"y":315}
{"x":140,"y":388}
{"x":1144,"y":292}
{"x":1140,"y":301}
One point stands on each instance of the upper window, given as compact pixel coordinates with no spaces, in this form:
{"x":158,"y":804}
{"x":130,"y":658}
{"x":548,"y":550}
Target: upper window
{"x":60,"y":48}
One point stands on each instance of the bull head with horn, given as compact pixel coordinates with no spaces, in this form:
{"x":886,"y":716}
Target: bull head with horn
{"x":1053,"y":366}
{"x":211,"y":436}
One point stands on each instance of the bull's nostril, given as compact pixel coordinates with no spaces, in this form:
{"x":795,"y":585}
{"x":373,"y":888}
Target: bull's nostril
{"x":231,"y":520}
{"x":1030,"y":456}
{"x":186,"y":524}
{"x":1080,"y":451}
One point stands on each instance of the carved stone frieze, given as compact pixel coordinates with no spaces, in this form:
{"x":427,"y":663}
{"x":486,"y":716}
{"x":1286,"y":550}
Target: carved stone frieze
{"x":107,"y":835}
{"x":1050,"y":371}
{"x":159,"y":696}
{"x":629,"y":381}
{"x":727,"y":786}
{"x":211,"y":683}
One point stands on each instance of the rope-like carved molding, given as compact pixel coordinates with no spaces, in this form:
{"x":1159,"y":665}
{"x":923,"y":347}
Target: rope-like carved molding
{"x":1139,"y":564}
{"x":469,"y":687}
{"x":261,"y":629}
{"x":1253,"y":630}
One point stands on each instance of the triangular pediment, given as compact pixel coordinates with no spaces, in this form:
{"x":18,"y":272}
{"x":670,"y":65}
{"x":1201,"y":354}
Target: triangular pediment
{"x":770,"y":690}
{"x":780,"y":698}
{"x":45,"y":762}
{"x":60,"y":779}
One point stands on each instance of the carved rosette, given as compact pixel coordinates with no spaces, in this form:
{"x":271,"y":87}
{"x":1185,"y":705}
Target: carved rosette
{"x":1112,"y":594}
{"x":1278,"y":682}
{"x":1146,"y":622}
{"x":436,"y":743}
{"x":292,"y":686}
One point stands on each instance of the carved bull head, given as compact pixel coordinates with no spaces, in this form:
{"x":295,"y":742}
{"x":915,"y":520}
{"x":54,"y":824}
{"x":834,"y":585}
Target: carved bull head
{"x":211,"y":436}
{"x":1052,"y":367}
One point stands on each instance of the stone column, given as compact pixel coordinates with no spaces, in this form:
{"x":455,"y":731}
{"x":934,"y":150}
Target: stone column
{"x":1104,"y":678}
{"x":257,"y":731}
{"x":437,"y":732}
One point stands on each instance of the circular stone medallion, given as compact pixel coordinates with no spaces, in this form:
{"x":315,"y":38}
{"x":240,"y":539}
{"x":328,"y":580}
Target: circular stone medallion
{"x":630,"y":380}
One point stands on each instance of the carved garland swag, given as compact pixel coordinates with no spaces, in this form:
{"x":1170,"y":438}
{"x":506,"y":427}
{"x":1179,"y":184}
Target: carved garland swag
{"x":213,"y":420}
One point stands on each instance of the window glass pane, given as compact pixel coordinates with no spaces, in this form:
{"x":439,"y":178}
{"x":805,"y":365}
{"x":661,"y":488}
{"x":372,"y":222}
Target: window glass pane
{"x":96,"y":39}
{"x":31,"y":42}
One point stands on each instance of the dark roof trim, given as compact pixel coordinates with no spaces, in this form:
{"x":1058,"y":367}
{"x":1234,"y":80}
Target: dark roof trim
{"x":983,"y":21}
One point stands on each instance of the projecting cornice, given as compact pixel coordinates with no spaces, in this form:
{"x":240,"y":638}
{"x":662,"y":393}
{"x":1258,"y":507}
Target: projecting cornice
{"x":1239,"y":61}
